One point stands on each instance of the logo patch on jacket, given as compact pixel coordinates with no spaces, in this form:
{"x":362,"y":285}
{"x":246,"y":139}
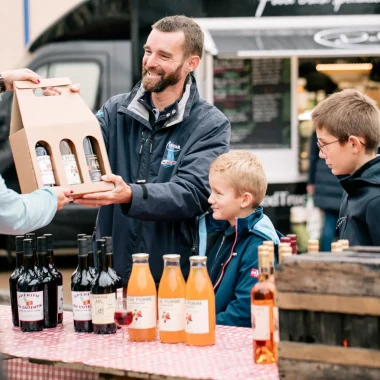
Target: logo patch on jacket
{"x":255,"y":273}
{"x":170,"y":155}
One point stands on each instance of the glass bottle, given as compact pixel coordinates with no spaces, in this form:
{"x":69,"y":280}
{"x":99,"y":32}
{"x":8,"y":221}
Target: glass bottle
{"x":199,"y":305}
{"x":69,"y":163}
{"x":81,"y":290}
{"x":270,"y":246}
{"x":111,"y":271}
{"x":171,"y":301}
{"x":92,"y":160}
{"x":293,"y":242}
{"x":49,"y":285}
{"x":283,"y":253}
{"x":56,"y":273}
{"x":32,"y":236}
{"x":14,"y":278}
{"x":336,"y":247}
{"x":103,"y":295}
{"x":263,"y":324}
{"x":141,"y":300}
{"x":345,"y":243}
{"x":45,"y":165}
{"x":91,"y":266}
{"x":313,"y":246}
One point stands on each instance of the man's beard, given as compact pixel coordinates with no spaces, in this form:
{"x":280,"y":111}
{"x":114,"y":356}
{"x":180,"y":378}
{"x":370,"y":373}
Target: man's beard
{"x":165,"y":81}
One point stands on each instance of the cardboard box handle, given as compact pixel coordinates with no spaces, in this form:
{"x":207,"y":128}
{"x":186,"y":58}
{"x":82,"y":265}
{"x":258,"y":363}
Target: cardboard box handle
{"x":47,"y":82}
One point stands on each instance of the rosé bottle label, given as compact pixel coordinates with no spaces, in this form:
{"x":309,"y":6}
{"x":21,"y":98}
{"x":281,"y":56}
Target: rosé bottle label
{"x":81,"y":306}
{"x":103,"y":308}
{"x":260,"y":322}
{"x":197,"y":317}
{"x":171,"y":313}
{"x":71,"y":169}
{"x":30,"y":306}
{"x":60,"y":299}
{"x":144,"y":312}
{"x":46,"y":170}
{"x":276,"y":325}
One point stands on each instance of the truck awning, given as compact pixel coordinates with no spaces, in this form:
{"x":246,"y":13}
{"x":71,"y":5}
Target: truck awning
{"x":292,"y":36}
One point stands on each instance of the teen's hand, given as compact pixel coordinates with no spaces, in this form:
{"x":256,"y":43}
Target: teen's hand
{"x":54,"y":91}
{"x":20,"y":74}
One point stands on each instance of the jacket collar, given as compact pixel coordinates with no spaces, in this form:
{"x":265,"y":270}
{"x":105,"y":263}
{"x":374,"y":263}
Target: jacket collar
{"x":134,"y":108}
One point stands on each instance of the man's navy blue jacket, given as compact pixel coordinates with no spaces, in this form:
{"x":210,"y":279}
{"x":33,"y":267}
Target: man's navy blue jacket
{"x":166,"y":164}
{"x":232,"y":263}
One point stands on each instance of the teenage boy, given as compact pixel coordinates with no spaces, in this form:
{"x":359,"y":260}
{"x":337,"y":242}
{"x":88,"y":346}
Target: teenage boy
{"x":235,"y":229}
{"x":348,"y":131}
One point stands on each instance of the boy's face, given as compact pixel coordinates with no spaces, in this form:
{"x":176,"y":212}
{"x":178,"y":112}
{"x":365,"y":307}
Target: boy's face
{"x":226,"y":204}
{"x":339,"y":158}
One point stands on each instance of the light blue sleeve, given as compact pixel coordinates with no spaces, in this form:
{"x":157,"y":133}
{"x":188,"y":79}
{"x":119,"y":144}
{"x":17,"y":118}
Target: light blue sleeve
{"x":20,"y":214}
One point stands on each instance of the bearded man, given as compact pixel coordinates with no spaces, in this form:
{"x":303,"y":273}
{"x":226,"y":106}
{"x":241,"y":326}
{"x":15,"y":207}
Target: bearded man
{"x":160,"y":138}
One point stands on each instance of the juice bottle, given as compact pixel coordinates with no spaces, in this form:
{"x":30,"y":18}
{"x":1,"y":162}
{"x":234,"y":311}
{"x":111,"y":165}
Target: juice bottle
{"x":141,"y":300}
{"x":199,"y":305}
{"x":171,"y":301}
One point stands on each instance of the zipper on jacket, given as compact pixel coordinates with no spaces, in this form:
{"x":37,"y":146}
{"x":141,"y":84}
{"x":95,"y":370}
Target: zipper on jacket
{"x":217,"y":253}
{"x":140,"y":156}
{"x":193,"y":249}
{"x":150,"y":157}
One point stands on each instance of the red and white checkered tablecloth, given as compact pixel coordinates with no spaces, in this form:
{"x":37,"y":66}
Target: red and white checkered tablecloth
{"x":230,"y":358}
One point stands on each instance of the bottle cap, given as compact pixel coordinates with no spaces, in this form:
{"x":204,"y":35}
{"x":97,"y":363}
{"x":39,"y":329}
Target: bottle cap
{"x":28,"y":247}
{"x":281,"y":245}
{"x":89,"y":243}
{"x":171,"y":257}
{"x":49,"y":240}
{"x":198,"y":259}
{"x":108,"y":240}
{"x":140,"y":256}
{"x":345,"y":243}
{"x":41,"y":244}
{"x":269,"y":243}
{"x":19,"y":243}
{"x":336,"y":247}
{"x":83,"y":247}
{"x":264,"y":258}
{"x":285,"y":239}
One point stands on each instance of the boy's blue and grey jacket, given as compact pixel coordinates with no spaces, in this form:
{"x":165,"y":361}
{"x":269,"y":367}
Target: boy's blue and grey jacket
{"x":231,"y":256}
{"x":166,"y":166}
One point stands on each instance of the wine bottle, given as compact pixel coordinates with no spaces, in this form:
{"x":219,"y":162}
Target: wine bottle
{"x":32,"y":236}
{"x":91,"y":266}
{"x":111,"y":271}
{"x":45,"y":166}
{"x":103,"y":295}
{"x":81,"y":290}
{"x":56,"y":273}
{"x":49,"y":282}
{"x":92,"y":160}
{"x":14,"y":278}
{"x":30,"y":294}
{"x":69,"y":163}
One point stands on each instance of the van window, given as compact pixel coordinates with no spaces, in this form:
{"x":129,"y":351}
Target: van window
{"x":87,"y":74}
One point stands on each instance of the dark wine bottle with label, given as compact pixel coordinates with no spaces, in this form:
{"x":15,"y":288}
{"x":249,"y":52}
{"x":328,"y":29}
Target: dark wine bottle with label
{"x":56,"y":273}
{"x":92,"y":160}
{"x":91,"y":266}
{"x":45,"y":165}
{"x":111,"y":271}
{"x":50,"y":287}
{"x":15,"y":276}
{"x":30,"y":295}
{"x":32,"y":236}
{"x":81,"y":291}
{"x":103,"y":295}
{"x":69,"y":163}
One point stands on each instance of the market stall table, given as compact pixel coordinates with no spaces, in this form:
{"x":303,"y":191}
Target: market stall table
{"x":62,"y":354}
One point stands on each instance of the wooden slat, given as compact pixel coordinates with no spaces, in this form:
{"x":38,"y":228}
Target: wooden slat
{"x":330,"y":354}
{"x":328,"y":303}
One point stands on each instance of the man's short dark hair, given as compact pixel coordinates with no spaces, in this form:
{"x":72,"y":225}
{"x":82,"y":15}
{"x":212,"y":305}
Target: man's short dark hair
{"x":194,"y":37}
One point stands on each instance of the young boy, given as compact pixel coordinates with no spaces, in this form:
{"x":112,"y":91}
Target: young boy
{"x":348,"y":131}
{"x":235,"y":229}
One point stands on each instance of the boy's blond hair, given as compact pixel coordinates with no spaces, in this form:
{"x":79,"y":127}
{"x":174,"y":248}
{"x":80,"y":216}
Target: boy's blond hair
{"x":349,"y":113}
{"x":244,"y":171}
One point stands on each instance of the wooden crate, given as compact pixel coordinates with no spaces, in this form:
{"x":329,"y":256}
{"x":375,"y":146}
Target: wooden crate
{"x":329,"y":315}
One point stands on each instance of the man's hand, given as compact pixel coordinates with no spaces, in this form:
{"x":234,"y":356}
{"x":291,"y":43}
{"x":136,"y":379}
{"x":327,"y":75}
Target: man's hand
{"x":63,"y":196}
{"x":122,"y":193}
{"x":21,"y":74}
{"x":54,"y":91}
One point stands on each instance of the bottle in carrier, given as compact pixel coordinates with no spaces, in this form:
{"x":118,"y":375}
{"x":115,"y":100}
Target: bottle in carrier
{"x":45,"y":165}
{"x":30,"y":298}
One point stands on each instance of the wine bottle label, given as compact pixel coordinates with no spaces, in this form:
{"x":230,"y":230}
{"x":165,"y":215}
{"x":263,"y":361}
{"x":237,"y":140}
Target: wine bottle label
{"x":119,"y":294}
{"x":46,"y":170}
{"x":171,"y":313}
{"x":71,"y":169}
{"x":60,"y":299}
{"x":260,"y":322}
{"x":276,"y":325}
{"x":93,"y":167}
{"x":81,"y":306}
{"x":103,"y":308}
{"x":144,"y":312}
{"x":197,"y":317}
{"x":30,"y":306}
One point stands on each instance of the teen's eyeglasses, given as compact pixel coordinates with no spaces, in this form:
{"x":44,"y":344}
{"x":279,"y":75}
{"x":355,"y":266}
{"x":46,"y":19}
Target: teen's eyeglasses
{"x":320,"y":146}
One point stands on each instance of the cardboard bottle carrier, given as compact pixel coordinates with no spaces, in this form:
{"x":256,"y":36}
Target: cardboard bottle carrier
{"x":49,"y":120}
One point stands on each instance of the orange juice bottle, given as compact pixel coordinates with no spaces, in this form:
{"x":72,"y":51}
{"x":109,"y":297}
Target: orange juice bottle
{"x":171,"y":301}
{"x":199,"y":305}
{"x":141,"y":300}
